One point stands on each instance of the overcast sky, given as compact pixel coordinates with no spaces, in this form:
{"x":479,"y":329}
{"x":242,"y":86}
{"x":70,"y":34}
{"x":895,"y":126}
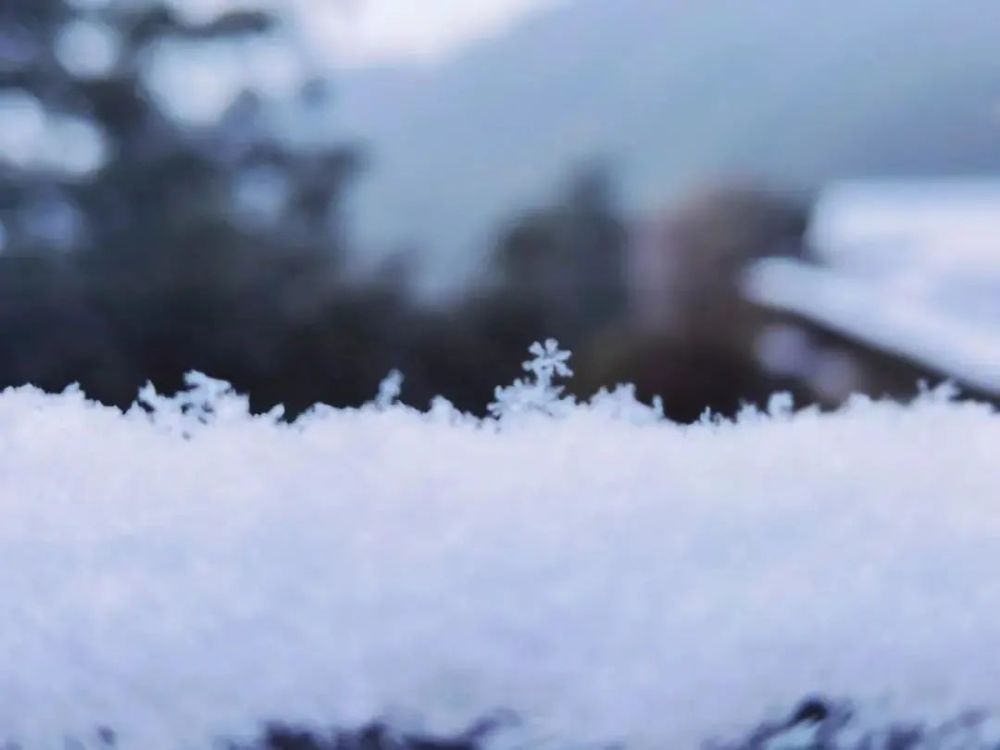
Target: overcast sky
{"x":364,"y":32}
{"x":198,"y":82}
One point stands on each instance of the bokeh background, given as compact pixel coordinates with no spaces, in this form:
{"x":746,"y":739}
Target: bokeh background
{"x":711,"y":200}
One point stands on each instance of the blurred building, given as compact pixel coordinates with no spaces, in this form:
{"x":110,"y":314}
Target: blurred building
{"x":901,"y":281}
{"x":690,"y":332}
{"x":865,"y":287}
{"x":686,"y":264}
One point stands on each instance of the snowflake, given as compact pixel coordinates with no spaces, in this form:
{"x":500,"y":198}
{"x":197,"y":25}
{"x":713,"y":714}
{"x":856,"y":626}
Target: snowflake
{"x":538,"y":394}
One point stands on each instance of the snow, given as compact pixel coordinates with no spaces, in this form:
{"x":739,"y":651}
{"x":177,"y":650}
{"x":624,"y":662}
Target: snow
{"x":186,"y":570}
{"x":872,"y":224}
{"x":539,"y":394}
{"x":891,"y":319}
{"x":911,"y":268}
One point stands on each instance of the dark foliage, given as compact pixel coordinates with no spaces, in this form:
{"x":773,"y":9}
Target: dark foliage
{"x":816,"y":723}
{"x":373,"y":736}
{"x":819,"y":723}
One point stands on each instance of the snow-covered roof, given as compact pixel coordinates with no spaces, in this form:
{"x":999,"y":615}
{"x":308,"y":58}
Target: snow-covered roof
{"x":912,"y":268}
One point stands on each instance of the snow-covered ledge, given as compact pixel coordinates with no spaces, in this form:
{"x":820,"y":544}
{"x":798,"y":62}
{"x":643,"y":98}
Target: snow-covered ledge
{"x":185,"y":571}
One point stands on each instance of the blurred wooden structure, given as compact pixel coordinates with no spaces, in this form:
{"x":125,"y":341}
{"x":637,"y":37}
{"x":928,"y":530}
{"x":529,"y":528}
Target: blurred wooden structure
{"x":863,"y":288}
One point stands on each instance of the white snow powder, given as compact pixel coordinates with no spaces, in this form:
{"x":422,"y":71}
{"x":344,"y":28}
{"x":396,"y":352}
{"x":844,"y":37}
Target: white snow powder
{"x":184,"y":575}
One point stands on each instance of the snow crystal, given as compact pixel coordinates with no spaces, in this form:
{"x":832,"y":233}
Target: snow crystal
{"x":539,"y":395}
{"x":186,"y":571}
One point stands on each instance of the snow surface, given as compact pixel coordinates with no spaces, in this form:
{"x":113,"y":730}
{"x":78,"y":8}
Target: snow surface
{"x":185,"y":571}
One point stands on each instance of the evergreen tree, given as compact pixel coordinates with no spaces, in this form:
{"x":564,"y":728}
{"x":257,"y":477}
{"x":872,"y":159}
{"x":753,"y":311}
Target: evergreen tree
{"x":137,"y":246}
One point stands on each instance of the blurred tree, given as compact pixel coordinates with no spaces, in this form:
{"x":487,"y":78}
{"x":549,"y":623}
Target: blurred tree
{"x":188,"y":246}
{"x":566,"y":262}
{"x":557,"y":271}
